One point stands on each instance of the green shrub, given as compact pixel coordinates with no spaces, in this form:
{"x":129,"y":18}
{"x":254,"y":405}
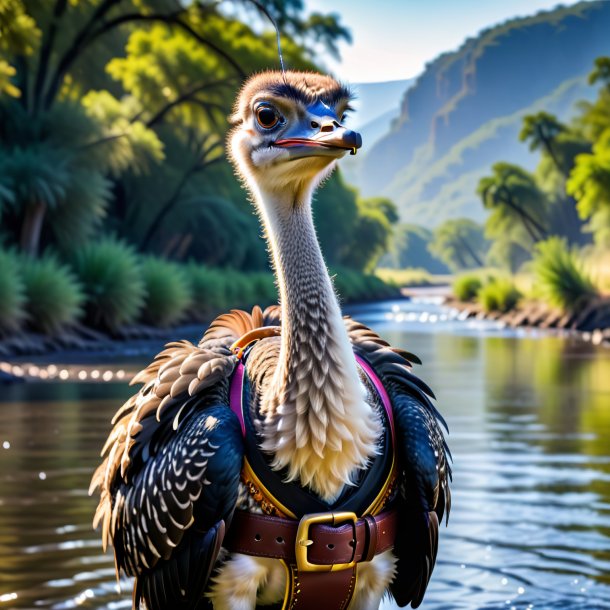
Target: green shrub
{"x":498,"y":295}
{"x":168,"y":293}
{"x":378,"y":288}
{"x":240,"y":290}
{"x":12,"y":294}
{"x":349,"y":284}
{"x":209,"y":291}
{"x":560,"y":274}
{"x":110,"y":275}
{"x":53,"y":296}
{"x":355,"y":286}
{"x":466,"y":287}
{"x":264,"y":289}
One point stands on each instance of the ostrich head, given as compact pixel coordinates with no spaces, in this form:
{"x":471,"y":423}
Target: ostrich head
{"x":288,"y":132}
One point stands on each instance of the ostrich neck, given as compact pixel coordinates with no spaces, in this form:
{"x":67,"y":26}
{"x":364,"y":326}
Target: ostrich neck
{"x":318,"y":424}
{"x":312,"y":326}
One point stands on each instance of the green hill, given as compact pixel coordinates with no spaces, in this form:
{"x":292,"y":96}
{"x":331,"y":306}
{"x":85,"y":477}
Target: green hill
{"x":464,"y":111}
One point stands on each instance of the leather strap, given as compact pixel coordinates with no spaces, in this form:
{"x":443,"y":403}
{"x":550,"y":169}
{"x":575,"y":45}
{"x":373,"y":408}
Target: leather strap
{"x":274,"y":537}
{"x":326,"y":545}
{"x":319,"y":590}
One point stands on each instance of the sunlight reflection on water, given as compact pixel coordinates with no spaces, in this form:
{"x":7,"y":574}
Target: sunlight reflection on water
{"x":530,"y":426}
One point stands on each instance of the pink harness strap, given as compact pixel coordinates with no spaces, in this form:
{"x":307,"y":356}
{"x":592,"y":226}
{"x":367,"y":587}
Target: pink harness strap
{"x":235,"y":395}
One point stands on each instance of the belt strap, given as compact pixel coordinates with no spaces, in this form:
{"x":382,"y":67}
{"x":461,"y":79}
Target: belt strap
{"x":320,"y":557}
{"x":268,"y":536}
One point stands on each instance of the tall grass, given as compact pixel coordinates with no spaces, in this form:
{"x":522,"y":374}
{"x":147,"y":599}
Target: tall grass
{"x":560,"y":274}
{"x":12,"y":294}
{"x":498,"y":294}
{"x":109,"y":272}
{"x":53,"y":296}
{"x":466,"y":287}
{"x":168,"y":292}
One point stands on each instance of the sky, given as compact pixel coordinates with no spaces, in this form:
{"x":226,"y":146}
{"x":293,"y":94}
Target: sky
{"x":394,"y":39}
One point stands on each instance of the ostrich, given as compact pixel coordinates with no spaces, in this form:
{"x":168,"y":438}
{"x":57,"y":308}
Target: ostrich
{"x":291,"y":459}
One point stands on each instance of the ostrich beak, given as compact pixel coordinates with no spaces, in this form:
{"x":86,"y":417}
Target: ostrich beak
{"x":329,"y":141}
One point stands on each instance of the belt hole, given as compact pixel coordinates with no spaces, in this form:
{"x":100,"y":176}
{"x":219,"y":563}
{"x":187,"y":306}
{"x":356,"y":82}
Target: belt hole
{"x":257,"y":537}
{"x":352,"y":543}
{"x":330,"y":546}
{"x":279,"y":540}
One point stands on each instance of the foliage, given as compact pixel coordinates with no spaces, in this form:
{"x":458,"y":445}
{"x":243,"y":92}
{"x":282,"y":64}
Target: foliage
{"x":459,"y":243}
{"x":335,"y":211}
{"x":590,"y":178}
{"x":168,"y":293}
{"x":354,"y":286}
{"x":371,"y":235}
{"x":216,"y":290}
{"x":52,"y":176}
{"x":209,"y":291}
{"x":465,"y":287}
{"x":113,"y":121}
{"x":109,"y":273}
{"x":101,"y":103}
{"x":511,"y":194}
{"x":541,"y":131}
{"x":411,"y":276}
{"x":560,"y":274}
{"x":53,"y":296}
{"x":499,"y":294}
{"x":264,"y":288}
{"x":12,"y":294}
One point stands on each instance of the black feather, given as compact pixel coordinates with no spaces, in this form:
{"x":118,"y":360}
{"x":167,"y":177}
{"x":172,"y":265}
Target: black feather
{"x":180,"y":582}
{"x":177,"y":502}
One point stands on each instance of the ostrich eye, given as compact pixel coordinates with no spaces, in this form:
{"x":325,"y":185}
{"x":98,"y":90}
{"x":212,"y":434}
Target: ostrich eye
{"x":267,"y":117}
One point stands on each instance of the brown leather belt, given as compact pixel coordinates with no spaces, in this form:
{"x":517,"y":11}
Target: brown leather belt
{"x":321,"y":551}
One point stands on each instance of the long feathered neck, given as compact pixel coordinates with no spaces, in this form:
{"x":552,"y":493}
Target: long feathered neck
{"x":318,"y":423}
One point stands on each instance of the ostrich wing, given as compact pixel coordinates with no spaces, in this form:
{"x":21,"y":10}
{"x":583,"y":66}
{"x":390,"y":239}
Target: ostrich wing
{"x":424,"y":494}
{"x":169,"y":480}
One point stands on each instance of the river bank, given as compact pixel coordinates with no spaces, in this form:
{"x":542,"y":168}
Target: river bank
{"x":84,"y":354}
{"x":591,"y":322}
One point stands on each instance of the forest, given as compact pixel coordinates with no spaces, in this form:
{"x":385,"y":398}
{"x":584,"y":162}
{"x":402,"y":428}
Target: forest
{"x":117,"y":204}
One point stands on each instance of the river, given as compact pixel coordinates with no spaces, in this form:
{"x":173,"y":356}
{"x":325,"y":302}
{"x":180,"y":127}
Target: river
{"x":529,"y":416}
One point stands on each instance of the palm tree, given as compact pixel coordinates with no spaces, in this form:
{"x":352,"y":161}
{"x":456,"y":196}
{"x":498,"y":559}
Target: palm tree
{"x":541,"y":131}
{"x":513,"y":191}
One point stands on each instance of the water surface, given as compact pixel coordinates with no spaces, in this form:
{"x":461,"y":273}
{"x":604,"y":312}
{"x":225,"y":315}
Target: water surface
{"x":530,"y":434}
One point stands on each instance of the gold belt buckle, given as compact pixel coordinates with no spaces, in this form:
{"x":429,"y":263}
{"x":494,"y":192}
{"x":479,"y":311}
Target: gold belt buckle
{"x":303,"y":541}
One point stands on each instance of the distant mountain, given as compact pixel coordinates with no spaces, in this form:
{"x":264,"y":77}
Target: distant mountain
{"x":374,"y":100}
{"x":375,"y":107}
{"x":465,"y":110}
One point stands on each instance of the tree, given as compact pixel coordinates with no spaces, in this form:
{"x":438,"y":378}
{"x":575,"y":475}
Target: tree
{"x":459,"y":243}
{"x":54,"y":181}
{"x":372,"y":233}
{"x":590,"y":179}
{"x":594,"y":118}
{"x":601,"y":72}
{"x":512,"y":194}
{"x":541,"y":131}
{"x":102,"y":91}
